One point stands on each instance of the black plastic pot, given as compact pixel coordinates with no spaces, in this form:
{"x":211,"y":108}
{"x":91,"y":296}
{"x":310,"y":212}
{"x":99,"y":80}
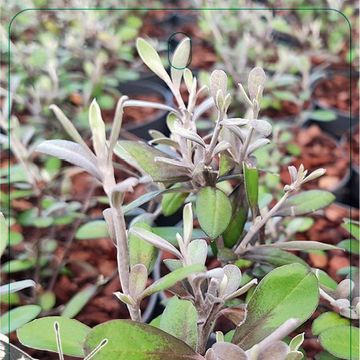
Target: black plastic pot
{"x":351,"y":197}
{"x":285,"y":39}
{"x":344,"y":120}
{"x":157,"y":122}
{"x":354,"y":187}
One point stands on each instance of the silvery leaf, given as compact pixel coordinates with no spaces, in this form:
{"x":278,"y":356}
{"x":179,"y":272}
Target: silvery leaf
{"x":277,"y":350}
{"x":217,"y":273}
{"x":107,"y":213}
{"x":68,"y":125}
{"x":137,"y":280}
{"x":179,"y":61}
{"x":152,"y":60}
{"x":192,"y":94}
{"x":203,"y":107}
{"x":97,"y":126}
{"x":147,"y":104}
{"x":263,"y":127}
{"x":240,"y":133}
{"x":188,"y":78}
{"x":188,"y":134}
{"x":228,"y":351}
{"x":197,"y":251}
{"x":257,"y":144}
{"x":187,"y":223}
{"x":171,"y":162}
{"x":116,"y":126}
{"x":72,"y":153}
{"x":165,"y":141}
{"x":257,"y":78}
{"x":157,"y":241}
{"x":344,"y":289}
{"x":242,"y":290}
{"x":235,"y":122}
{"x":221,"y":146}
{"x":126,"y":185}
{"x":218,"y":82}
{"x":16,"y":286}
{"x":233,"y":275}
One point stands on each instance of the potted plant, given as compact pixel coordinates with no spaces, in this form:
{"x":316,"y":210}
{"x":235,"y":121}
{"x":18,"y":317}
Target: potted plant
{"x":191,"y":170}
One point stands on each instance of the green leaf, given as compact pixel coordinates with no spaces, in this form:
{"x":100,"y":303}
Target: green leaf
{"x":78,"y":301}
{"x":251,"y":180}
{"x":290,"y":291}
{"x":296,"y":342}
{"x":172,"y":202}
{"x":4,"y":233}
{"x":306,"y":202}
{"x":272,"y":256}
{"x":213,"y":210}
{"x":352,"y":228}
{"x":17,"y":265}
{"x":341,"y":341}
{"x":96,"y":229}
{"x":151,"y":59}
{"x":18,"y":317}
{"x":326,"y":321}
{"x":142,"y":157}
{"x":39,"y":334}
{"x":299,"y":224}
{"x":47,"y":300}
{"x":324,"y":355}
{"x":140,"y":251}
{"x":172,"y":278}
{"x":350,"y":245}
{"x":323,"y":115}
{"x":325,"y":280}
{"x":179,"y":319}
{"x":129,"y":340}
{"x":305,"y":245}
{"x":235,"y":228}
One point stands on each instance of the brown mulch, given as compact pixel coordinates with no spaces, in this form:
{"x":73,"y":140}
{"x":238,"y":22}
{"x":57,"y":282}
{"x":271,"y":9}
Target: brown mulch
{"x":335,"y":92}
{"x":319,"y":150}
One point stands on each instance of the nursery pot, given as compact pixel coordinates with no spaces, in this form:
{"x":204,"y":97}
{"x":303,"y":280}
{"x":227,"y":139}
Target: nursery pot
{"x":352,"y":198}
{"x":328,"y":153}
{"x":157,"y":121}
{"x":285,"y":39}
{"x":343,"y":119}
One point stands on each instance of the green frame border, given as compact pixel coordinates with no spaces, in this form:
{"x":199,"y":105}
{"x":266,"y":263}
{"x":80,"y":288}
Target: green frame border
{"x":177,"y":9}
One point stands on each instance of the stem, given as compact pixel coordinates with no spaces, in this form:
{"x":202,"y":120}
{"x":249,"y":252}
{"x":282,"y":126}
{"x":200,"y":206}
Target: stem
{"x":205,"y":329}
{"x":257,"y":226}
{"x":122,"y":250}
{"x":214,"y":139}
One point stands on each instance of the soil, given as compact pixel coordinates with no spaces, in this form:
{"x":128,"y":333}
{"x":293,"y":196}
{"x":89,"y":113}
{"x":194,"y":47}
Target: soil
{"x":287,"y":109}
{"x":334,"y":92}
{"x":319,"y":150}
{"x":355,"y":146}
